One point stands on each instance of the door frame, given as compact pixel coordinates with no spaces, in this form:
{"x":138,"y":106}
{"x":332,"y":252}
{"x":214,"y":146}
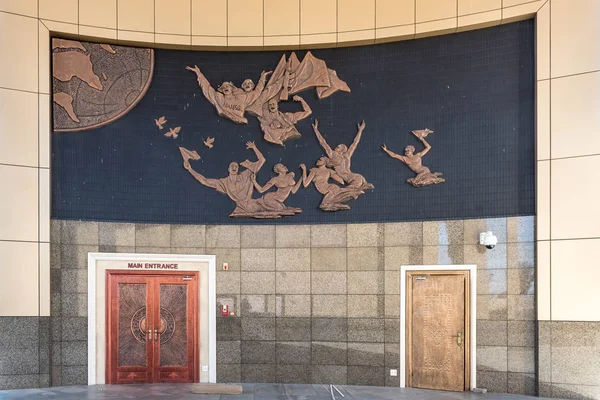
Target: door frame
{"x":153,"y":273}
{"x":472,"y":269}
{"x":96,"y":300}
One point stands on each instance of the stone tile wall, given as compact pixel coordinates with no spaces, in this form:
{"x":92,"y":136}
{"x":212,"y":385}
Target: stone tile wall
{"x":317,"y":303}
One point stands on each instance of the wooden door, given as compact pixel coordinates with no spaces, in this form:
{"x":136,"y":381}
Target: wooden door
{"x":152,"y":327}
{"x":438,"y":330}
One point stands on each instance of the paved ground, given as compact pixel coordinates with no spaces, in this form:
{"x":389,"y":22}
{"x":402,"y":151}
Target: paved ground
{"x":251,"y":391}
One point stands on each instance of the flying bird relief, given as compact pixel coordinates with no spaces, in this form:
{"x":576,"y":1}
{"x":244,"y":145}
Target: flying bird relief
{"x":414,"y":161}
{"x":160,"y":122}
{"x":240,"y":184}
{"x":173,"y":132}
{"x":209,"y":142}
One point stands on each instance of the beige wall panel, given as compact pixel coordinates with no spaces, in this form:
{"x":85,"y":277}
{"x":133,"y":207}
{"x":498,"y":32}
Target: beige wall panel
{"x":543,"y":285}
{"x":434,"y":28}
{"x":43,"y":58}
{"x":575,"y":277}
{"x":44,"y":204}
{"x":356,"y":15}
{"x":394,"y":12}
{"x":92,"y":33}
{"x":574,"y":192}
{"x":141,"y":37}
{"x":292,"y":41}
{"x":19,"y":204}
{"x":61,"y":27}
{"x":395,"y":33}
{"x":44,"y":271}
{"x":433,"y":10}
{"x":18,"y":41}
{"x":136,"y":15}
{"x":480,"y":20}
{"x":18,"y":128}
{"x":209,"y":41}
{"x":100,"y":13}
{"x":358,"y":37}
{"x":543,"y":120}
{"x":59,"y":10}
{"x":520,"y":12}
{"x":318,"y":16}
{"x":209,"y":17}
{"x":466,"y":7}
{"x":543,"y":200}
{"x":19,"y":279}
{"x":23,"y":7}
{"x":245,"y":18}
{"x":255,"y":42}
{"x":173,"y":17}
{"x":180,"y":40}
{"x":325,"y":39}
{"x":574,"y":36}
{"x":511,"y":3}
{"x":575,"y":120}
{"x":282,"y":17}
{"x":542,"y":25}
{"x":44,"y":130}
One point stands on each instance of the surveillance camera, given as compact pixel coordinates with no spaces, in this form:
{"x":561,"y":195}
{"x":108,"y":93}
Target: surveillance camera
{"x":488,"y":239}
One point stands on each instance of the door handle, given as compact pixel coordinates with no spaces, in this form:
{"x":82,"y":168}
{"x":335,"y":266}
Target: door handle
{"x":149,"y":335}
{"x":155,"y":335}
{"x":458,"y":338}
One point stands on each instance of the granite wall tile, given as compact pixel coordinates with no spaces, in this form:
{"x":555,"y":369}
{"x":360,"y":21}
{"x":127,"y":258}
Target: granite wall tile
{"x":231,"y":256}
{"x":188,"y":236}
{"x":291,"y":305}
{"x":152,"y":235}
{"x":258,"y":259}
{"x":579,"y":392}
{"x":76,"y":256}
{"x":73,"y":280}
{"x":74,"y":329}
{"x":492,"y":333}
{"x":329,"y":305}
{"x":258,"y":236}
{"x":493,"y":381}
{"x":403,"y":234}
{"x":521,"y":255}
{"x":443,"y":255}
{"x":392,"y":306}
{"x":19,"y":331}
{"x":544,"y":352}
{"x":297,"y":374}
{"x":493,"y":307}
{"x":229,"y":329}
{"x":79,"y":232}
{"x":366,"y":376}
{"x":365,"y":258}
{"x":365,"y":282}
{"x":522,"y":359}
{"x":368,"y":354}
{"x":443,"y":233}
{"x":287,"y":236}
{"x":258,"y":305}
{"x":293,"y":353}
{"x":485,"y":258}
{"x":520,"y":229}
{"x":365,"y":235}
{"x":492,"y":281}
{"x":152,"y":250}
{"x":229,"y":373}
{"x":328,"y":259}
{"x":108,"y":248}
{"x":473,"y":227}
{"x":19,"y":360}
{"x":492,"y":358}
{"x":231,"y":300}
{"x":292,"y":282}
{"x":287,"y":329}
{"x":229,"y":352}
{"x":297,"y":259}
{"x":366,"y":330}
{"x":392,"y":330}
{"x":329,"y":329}
{"x":392,"y":282}
{"x":329,"y":353}
{"x":521,"y":281}
{"x":228,"y":281}
{"x":258,"y":328}
{"x":116,"y":234}
{"x":74,"y":353}
{"x":258,"y":352}
{"x":74,"y":304}
{"x":576,"y":353}
{"x":13,"y":382}
{"x":223,"y":236}
{"x":328,"y":282}
{"x":521,"y":307}
{"x":392,"y":355}
{"x":395,"y":257}
{"x":328,"y":235}
{"x":365,"y":306}
{"x":329,"y":374}
{"x":257,"y":373}
{"x":258,"y":283}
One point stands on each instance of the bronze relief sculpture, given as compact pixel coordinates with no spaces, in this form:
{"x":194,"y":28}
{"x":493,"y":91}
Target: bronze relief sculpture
{"x":239,"y":186}
{"x":278,"y":126}
{"x":414,"y":161}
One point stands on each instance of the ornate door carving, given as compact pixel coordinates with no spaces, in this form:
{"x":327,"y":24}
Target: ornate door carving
{"x":437,"y":330}
{"x":152,"y":327}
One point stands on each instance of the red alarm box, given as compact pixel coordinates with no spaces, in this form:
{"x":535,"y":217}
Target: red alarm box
{"x":224,"y":310}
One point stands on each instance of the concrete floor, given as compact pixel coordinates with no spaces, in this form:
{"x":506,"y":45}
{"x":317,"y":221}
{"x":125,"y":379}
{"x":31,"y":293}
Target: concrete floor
{"x":252,"y":391}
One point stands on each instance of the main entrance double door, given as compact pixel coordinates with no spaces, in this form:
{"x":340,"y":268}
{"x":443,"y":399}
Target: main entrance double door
{"x":152,"y":327}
